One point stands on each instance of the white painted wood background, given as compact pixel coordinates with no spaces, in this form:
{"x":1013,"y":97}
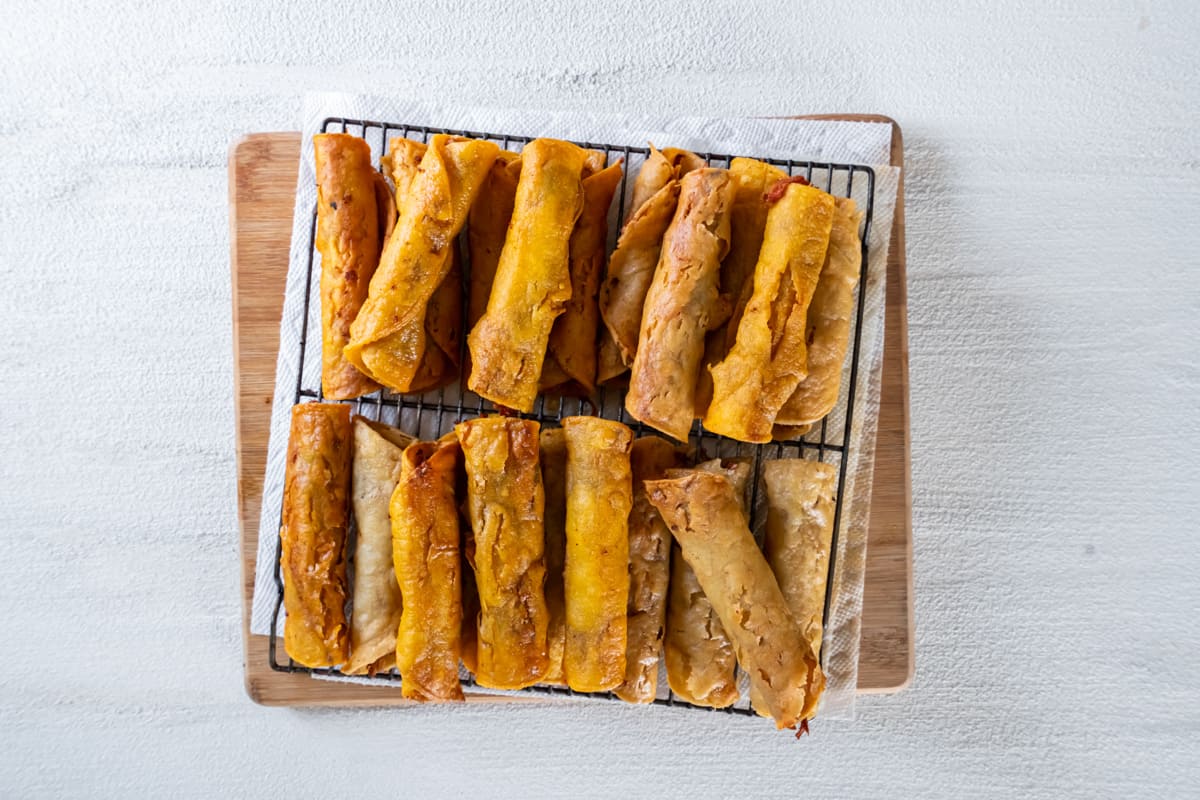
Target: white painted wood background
{"x":1053,"y":188}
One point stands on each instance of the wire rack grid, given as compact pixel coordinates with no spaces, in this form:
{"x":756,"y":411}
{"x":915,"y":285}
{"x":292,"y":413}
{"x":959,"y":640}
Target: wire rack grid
{"x":434,"y":413}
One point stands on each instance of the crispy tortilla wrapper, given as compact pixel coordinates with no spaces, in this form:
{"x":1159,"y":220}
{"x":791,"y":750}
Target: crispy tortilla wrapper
{"x":700,"y":659}
{"x":375,"y":614}
{"x":570,"y":366}
{"x":443,"y":330}
{"x":623,"y":292}
{"x":705,"y":516}
{"x":554,"y":480}
{"x":768,"y":359}
{"x":401,"y":163}
{"x":609,"y":364}
{"x":470,"y":593}
{"x":828,"y":329}
{"x":506,"y":504}
{"x":660,"y":168}
{"x":443,"y":317}
{"x":630,"y":273}
{"x":312,"y":560}
{"x":787,"y":433}
{"x":425,"y":542}
{"x":682,"y":305}
{"x":349,"y":240}
{"x":486,"y":228}
{"x":649,"y":572}
{"x":533,"y":280}
{"x":800,"y":508}
{"x":385,"y":202}
{"x":747,"y":219}
{"x":469,"y":651}
{"x":388,"y":339}
{"x":596,"y":572}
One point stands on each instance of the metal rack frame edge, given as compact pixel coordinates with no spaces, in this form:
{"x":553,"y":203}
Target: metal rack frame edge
{"x":401,"y":402}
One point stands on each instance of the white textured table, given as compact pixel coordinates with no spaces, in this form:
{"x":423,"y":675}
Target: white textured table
{"x":1052,"y":184}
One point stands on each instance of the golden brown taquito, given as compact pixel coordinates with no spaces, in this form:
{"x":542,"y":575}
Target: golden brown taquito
{"x":747,"y":219}
{"x":628,"y":278}
{"x":828,"y":328}
{"x":706,"y":518}
{"x":570,"y":366}
{"x":375,"y":613}
{"x":800,"y":509}
{"x":768,"y":358}
{"x":700,"y":659}
{"x":682,"y":305}
{"x":439,"y":363}
{"x":631,"y":268}
{"x":596,"y":572}
{"x":388,"y":338}
{"x":533,"y":282}
{"x":506,"y":505}
{"x":649,"y":572}
{"x":349,"y":240}
{"x":316,"y":488}
{"x":425,"y":544}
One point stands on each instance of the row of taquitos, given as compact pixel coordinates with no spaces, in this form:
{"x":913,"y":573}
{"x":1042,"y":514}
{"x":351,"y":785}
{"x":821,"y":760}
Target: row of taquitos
{"x":735,"y":286}
{"x":744,"y":320}
{"x":566,"y":554}
{"x":391,"y":286}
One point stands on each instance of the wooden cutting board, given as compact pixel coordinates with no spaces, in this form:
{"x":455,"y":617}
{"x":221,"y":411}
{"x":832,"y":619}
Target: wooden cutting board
{"x":262,"y":183}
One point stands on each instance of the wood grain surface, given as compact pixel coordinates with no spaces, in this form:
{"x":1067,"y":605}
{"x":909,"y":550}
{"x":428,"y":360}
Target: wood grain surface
{"x":262,"y":177}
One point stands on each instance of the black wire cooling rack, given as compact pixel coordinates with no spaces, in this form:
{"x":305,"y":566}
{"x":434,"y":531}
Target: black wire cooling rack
{"x":434,"y":413}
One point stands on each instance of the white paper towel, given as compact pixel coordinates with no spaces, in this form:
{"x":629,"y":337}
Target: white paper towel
{"x":803,"y":140}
